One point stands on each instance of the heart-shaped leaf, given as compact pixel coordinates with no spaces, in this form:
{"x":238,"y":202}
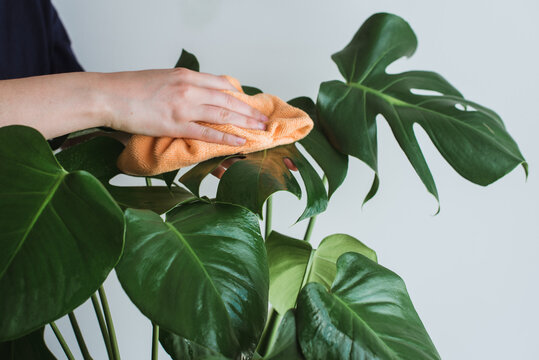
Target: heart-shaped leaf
{"x":202,"y":274}
{"x":367,"y":314}
{"x":470,"y":137}
{"x":294,"y":263}
{"x":62,"y":233}
{"x":29,"y":347}
{"x":333,"y":163}
{"x":252,"y":180}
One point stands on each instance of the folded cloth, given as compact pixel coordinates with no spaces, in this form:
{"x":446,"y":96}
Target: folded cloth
{"x":146,"y":155}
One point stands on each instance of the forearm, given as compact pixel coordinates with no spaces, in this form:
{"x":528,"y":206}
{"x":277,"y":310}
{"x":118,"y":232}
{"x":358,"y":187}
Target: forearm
{"x":54,"y":104}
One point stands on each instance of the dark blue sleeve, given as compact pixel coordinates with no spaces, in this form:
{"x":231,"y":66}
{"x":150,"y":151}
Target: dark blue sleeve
{"x":33,"y":40}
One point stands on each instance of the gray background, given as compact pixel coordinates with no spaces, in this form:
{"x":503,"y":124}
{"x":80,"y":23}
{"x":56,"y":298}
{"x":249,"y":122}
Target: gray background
{"x":471,"y":270}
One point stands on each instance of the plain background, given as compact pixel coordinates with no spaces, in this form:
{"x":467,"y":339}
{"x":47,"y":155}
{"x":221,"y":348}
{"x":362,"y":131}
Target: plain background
{"x":472,"y":271}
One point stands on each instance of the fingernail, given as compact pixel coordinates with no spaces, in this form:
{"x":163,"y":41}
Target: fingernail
{"x":261,"y":126}
{"x":240,"y":141}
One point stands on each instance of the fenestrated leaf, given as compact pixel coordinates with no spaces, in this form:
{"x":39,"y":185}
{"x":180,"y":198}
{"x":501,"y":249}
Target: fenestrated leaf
{"x":202,"y":274}
{"x":293,"y":263}
{"x":285,"y":346}
{"x":473,"y":139}
{"x":61,"y":234}
{"x":188,"y":61}
{"x":98,"y":156}
{"x":252,"y":180}
{"x":181,"y":349}
{"x":333,"y":163}
{"x":367,"y":314}
{"x":29,"y":347}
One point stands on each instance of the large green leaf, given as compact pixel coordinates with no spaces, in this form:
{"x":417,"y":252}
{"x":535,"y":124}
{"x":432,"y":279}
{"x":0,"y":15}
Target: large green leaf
{"x":202,"y":274}
{"x":471,"y":138}
{"x":252,"y":180}
{"x":333,"y":163}
{"x":285,"y":345}
{"x":159,"y":199}
{"x":61,"y":234}
{"x":294,"y":263}
{"x":29,"y":347}
{"x":367,"y":314}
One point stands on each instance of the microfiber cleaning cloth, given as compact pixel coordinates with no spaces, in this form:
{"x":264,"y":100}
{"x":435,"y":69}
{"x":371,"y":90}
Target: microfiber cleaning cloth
{"x":147,"y":155}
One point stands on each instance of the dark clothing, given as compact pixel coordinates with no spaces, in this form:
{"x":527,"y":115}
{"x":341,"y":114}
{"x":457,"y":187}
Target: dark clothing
{"x":33,"y":40}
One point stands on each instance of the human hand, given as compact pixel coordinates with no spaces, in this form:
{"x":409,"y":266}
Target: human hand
{"x":173,"y":102}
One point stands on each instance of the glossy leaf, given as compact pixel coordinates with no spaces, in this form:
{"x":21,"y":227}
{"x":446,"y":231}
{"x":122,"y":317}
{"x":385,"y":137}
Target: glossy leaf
{"x":252,"y":180}
{"x":61,"y":234}
{"x":472,"y":138}
{"x":285,"y":346}
{"x":97,"y":156}
{"x":188,"y":61}
{"x":367,"y":314}
{"x":294,"y":263}
{"x":202,"y":274}
{"x":29,"y":347}
{"x":333,"y":163}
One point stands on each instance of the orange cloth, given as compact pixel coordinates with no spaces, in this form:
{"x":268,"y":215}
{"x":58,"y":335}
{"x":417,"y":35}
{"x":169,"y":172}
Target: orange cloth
{"x":146,"y":155}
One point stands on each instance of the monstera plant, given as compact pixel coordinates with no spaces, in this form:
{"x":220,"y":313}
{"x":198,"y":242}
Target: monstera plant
{"x":199,"y":268}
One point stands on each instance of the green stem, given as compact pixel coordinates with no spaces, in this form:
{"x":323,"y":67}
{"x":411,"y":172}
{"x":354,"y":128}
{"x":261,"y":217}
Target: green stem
{"x":62,"y":341}
{"x":148,"y":181}
{"x":267,"y":334}
{"x":312,"y":220}
{"x":155,"y":341}
{"x":102,"y":325}
{"x":269,"y":208}
{"x":110,"y":325}
{"x":78,"y":335}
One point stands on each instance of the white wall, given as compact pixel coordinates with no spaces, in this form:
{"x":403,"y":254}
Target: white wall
{"x":472,"y":270}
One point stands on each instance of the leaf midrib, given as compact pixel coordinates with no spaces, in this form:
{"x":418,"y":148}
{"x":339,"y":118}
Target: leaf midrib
{"x":46,"y":201}
{"x":365,"y":324}
{"x":393,"y":101}
{"x":198,"y":261}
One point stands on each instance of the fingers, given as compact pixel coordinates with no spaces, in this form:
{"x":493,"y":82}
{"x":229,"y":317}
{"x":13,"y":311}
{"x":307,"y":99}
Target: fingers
{"x":204,"y":80}
{"x":229,"y":102}
{"x":218,"y":115}
{"x":290,"y":164}
{"x":204,"y":133}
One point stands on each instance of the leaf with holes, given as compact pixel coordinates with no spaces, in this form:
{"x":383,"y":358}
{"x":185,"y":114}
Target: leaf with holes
{"x":333,"y":163}
{"x":62,"y":233}
{"x":202,"y":274}
{"x":367,"y":314}
{"x":294,"y":263}
{"x":473,"y":139}
{"x":252,"y":180}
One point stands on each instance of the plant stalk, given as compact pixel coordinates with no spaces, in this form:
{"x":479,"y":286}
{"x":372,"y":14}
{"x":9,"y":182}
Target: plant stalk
{"x":61,"y":340}
{"x":155,"y":341}
{"x":78,"y":335}
{"x":312,"y":220}
{"x":269,"y":210}
{"x":102,"y":325}
{"x":148,"y":181}
{"x":110,"y":325}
